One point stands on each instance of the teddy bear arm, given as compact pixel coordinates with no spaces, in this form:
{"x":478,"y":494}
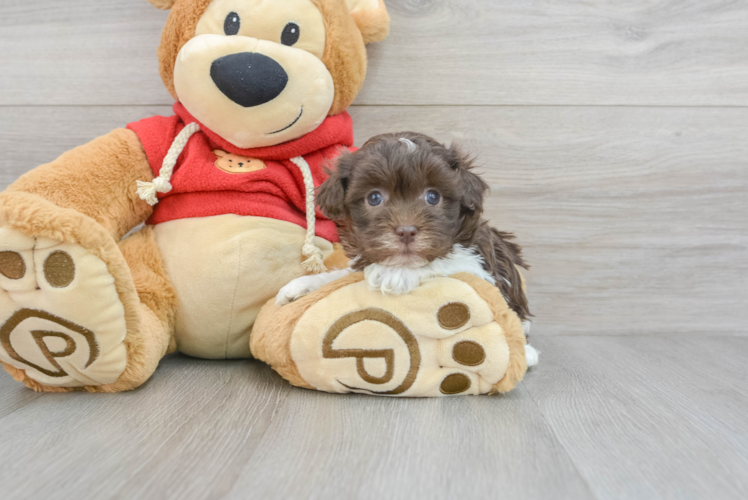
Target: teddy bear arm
{"x":98,"y":179}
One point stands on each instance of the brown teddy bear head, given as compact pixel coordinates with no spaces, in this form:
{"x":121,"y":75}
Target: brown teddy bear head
{"x":263,"y":72}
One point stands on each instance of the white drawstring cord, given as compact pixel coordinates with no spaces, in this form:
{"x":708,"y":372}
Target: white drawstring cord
{"x":315,"y":263}
{"x":160,"y":184}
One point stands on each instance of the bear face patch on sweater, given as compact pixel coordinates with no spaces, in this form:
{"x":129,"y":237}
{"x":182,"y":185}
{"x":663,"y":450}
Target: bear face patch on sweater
{"x":236,"y":164}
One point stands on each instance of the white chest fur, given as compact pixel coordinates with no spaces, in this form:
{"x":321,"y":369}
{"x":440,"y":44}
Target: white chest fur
{"x":394,"y":280}
{"x":400,"y":280}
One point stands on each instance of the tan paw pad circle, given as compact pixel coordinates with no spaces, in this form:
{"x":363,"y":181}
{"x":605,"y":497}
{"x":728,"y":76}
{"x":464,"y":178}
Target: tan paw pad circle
{"x":59,"y":269}
{"x":468,"y":353}
{"x":455,"y":383}
{"x":453,"y":316}
{"x":12,"y":265}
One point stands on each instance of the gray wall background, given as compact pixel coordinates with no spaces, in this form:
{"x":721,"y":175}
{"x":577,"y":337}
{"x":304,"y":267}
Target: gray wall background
{"x":614,"y":134}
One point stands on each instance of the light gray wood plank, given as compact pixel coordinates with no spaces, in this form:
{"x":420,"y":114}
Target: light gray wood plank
{"x":648,"y":417}
{"x":36,"y":135}
{"x":601,"y":417}
{"x":659,"y":52}
{"x":633,"y":219}
{"x":14,"y":395}
{"x":185,"y":434}
{"x":640,"y":52}
{"x":80,"y":52}
{"x":328,"y":446}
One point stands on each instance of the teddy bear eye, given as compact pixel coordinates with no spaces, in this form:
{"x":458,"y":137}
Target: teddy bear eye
{"x":290,"y":34}
{"x":232,"y":24}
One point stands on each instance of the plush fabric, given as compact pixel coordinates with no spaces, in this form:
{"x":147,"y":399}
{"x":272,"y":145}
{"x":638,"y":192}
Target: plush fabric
{"x":224,"y":279}
{"x":201,"y":189}
{"x":449,"y":336}
{"x":344,"y":56}
{"x":254,"y":92}
{"x":98,"y":312}
{"x":270,"y":338}
{"x":98,"y":180}
{"x":345,"y":53}
{"x":372,"y":19}
{"x":162,"y":4}
{"x":510,"y":324}
{"x":31,"y":214}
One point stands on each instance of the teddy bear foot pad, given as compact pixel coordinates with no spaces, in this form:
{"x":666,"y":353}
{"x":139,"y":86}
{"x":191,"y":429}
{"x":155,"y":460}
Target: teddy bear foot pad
{"x":61,"y":320}
{"x":401,"y":345}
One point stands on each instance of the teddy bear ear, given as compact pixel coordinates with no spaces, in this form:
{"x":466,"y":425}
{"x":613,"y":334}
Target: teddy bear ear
{"x":162,"y":4}
{"x":371,"y":17}
{"x":219,"y":153}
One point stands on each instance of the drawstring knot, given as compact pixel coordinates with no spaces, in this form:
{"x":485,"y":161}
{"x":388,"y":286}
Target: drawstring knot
{"x":315,"y":263}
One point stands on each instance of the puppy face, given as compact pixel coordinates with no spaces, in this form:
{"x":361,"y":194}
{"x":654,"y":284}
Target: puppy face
{"x":403,"y":200}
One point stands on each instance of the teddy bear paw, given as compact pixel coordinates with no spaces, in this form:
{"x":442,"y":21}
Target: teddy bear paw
{"x":441,"y":339}
{"x":61,"y":320}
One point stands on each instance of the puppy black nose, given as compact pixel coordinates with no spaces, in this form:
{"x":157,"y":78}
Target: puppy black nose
{"x":248,"y":78}
{"x":406,"y":233}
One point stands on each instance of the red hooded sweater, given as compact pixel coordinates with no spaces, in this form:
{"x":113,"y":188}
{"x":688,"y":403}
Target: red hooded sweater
{"x":275,"y":189}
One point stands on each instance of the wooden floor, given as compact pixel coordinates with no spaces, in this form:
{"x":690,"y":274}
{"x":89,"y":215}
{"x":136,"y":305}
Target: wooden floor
{"x":615,"y":139}
{"x":602,"y":417}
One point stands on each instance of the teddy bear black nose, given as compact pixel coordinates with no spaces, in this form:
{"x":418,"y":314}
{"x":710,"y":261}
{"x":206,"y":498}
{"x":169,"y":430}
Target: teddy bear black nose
{"x":249,"y":78}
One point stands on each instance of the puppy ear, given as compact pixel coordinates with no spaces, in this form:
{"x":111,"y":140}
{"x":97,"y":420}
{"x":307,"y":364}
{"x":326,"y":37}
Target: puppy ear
{"x":502,"y":256}
{"x":331,"y":194}
{"x":371,"y":17}
{"x":162,"y":4}
{"x":473,"y":187}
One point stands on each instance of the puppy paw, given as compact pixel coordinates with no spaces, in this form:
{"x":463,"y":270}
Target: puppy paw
{"x":531,"y":355}
{"x":300,"y":287}
{"x":295,"y":290}
{"x":527,"y":326}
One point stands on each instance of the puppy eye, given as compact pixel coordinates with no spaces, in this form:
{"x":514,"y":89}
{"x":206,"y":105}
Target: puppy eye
{"x":291,"y":34}
{"x":232,"y":24}
{"x":374,"y":198}
{"x":433,"y":198}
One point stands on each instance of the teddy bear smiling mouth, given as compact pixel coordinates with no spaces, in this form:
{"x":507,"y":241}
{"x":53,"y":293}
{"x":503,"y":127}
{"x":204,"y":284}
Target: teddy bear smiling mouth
{"x":289,"y":126}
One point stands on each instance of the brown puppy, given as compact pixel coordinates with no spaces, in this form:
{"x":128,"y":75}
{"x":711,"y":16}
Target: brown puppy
{"x":405,"y":201}
{"x":410,"y":209}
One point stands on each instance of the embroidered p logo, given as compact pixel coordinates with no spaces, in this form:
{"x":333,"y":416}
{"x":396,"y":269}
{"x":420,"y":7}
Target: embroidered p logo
{"x":53,"y":338}
{"x":388,"y":355}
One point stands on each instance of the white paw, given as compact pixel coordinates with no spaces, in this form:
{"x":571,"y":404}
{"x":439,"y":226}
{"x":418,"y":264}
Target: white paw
{"x":526,"y":326}
{"x":61,"y":319}
{"x":295,"y":290}
{"x":305,"y":285}
{"x":531,"y":355}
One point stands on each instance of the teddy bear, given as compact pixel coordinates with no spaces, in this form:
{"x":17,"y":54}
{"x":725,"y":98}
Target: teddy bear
{"x":224,"y":190}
